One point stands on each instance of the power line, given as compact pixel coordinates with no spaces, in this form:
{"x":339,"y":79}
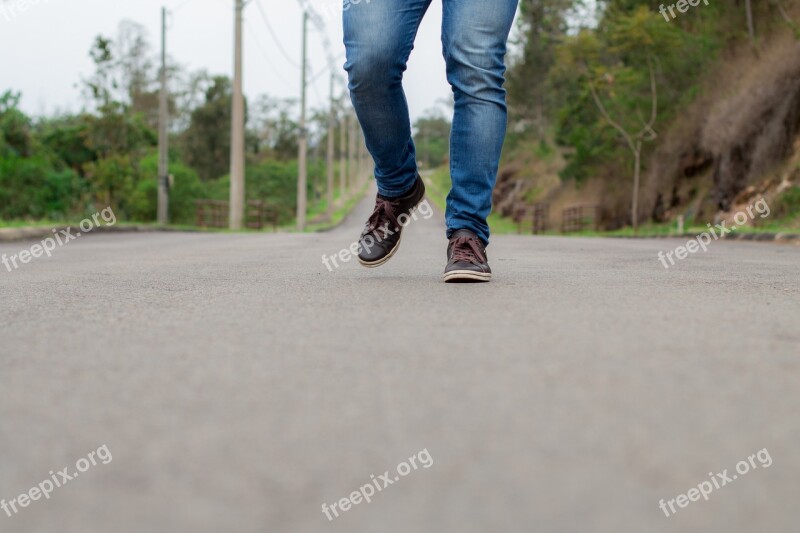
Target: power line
{"x":319,"y":23}
{"x":322,"y":71}
{"x":180,"y":6}
{"x":264,"y":53}
{"x":318,"y":94}
{"x":274,"y":36}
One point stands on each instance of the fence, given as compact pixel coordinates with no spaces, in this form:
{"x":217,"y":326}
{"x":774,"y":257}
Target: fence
{"x":580,"y":217}
{"x":215,"y":214}
{"x":537,"y":214}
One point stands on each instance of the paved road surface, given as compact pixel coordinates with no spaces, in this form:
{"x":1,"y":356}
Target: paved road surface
{"x":239,"y":385}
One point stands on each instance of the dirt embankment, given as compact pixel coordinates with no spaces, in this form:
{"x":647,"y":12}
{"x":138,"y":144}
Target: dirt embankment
{"x":739,"y":138}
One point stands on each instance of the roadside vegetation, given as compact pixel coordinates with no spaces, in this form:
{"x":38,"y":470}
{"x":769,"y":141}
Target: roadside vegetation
{"x":611,"y":103}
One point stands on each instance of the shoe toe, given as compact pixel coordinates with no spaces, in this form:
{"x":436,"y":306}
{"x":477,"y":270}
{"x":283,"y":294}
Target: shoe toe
{"x":463,"y":265}
{"x":371,"y":253}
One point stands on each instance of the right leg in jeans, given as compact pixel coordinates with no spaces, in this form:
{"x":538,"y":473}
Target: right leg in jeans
{"x":379,"y":37}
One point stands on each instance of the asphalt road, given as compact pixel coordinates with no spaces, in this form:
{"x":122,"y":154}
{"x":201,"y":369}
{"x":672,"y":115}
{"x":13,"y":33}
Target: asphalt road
{"x":238,"y":384}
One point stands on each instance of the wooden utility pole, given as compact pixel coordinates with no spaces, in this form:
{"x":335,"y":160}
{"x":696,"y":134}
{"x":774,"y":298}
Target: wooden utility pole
{"x":362,"y":158}
{"x":331,"y":120}
{"x":351,"y":150}
{"x":302,"y":171}
{"x":342,"y":155}
{"x":163,"y":131}
{"x":237,"y":128}
{"x":751,"y":31}
{"x":424,"y":134}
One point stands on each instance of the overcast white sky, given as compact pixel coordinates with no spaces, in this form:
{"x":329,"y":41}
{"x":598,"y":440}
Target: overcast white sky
{"x":44,"y":50}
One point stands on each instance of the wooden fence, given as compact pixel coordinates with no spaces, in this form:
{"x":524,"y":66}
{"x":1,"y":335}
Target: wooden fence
{"x":580,"y":217}
{"x":215,"y":214}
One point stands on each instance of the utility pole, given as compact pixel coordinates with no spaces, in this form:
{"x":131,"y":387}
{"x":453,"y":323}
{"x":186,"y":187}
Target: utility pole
{"x":302,"y":170}
{"x":163,"y":139}
{"x":237,"y":129}
{"x":351,"y":151}
{"x":751,"y":31}
{"x":425,"y":155}
{"x":342,"y":155}
{"x":362,"y":161}
{"x":331,"y":120}
{"x":369,"y":166}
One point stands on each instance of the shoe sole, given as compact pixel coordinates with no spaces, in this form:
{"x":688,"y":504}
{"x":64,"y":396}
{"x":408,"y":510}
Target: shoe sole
{"x":379,"y":262}
{"x":467,"y":276}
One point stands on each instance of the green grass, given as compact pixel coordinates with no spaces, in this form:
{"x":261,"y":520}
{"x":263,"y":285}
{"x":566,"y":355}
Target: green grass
{"x":318,"y":209}
{"x":338,"y":214}
{"x":32,"y":223}
{"x":438,"y":184}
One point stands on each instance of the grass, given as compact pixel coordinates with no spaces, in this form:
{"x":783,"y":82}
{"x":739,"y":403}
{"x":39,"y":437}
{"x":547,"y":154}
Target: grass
{"x":317,"y":210}
{"x":338,"y":215}
{"x":438,"y":184}
{"x":32,"y":224}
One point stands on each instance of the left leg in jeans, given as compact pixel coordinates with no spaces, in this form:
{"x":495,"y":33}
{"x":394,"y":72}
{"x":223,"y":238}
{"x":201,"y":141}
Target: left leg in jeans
{"x":379,"y":37}
{"x":474,"y":36}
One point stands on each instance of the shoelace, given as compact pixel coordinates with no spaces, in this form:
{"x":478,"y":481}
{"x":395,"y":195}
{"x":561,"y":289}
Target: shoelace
{"x":383,"y":213}
{"x":467,"y":249}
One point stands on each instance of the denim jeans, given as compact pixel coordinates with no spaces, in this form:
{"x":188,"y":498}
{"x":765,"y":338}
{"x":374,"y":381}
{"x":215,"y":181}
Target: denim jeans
{"x":379,"y":36}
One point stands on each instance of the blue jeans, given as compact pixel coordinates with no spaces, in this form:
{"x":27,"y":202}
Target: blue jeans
{"x":379,"y":36}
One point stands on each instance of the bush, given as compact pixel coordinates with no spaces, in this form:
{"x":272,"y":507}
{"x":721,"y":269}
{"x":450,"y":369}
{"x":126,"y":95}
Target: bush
{"x":186,"y":188}
{"x":275,"y":183}
{"x":32,"y":188}
{"x":789,"y":203}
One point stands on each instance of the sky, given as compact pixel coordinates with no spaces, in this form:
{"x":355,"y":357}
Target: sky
{"x":44,"y":48}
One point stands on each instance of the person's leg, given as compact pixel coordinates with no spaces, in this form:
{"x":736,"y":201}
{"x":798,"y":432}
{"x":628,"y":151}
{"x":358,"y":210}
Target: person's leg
{"x":379,"y":37}
{"x":474,"y":36}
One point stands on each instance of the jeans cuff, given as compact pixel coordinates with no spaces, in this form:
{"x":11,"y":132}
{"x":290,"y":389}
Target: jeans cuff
{"x":397,"y":192}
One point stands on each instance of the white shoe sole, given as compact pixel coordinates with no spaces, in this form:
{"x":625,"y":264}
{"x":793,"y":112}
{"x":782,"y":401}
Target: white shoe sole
{"x":467,"y":275}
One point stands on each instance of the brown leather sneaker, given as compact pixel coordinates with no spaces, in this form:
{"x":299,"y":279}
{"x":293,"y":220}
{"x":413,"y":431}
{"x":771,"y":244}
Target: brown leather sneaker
{"x":466,"y":259}
{"x":381,"y":236}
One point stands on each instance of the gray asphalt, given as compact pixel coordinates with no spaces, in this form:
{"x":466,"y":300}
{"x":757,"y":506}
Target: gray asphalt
{"x":238,"y":385}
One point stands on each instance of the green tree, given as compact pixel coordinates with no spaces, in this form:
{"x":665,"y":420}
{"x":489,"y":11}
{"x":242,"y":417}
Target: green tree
{"x":542,"y":25}
{"x":206,"y":143}
{"x":15,"y":127}
{"x":432,"y":138}
{"x":615,"y":70}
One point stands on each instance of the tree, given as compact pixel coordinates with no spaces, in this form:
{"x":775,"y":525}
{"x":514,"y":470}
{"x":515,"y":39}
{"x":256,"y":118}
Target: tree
{"x":15,"y":127}
{"x":542,"y":26}
{"x":432,"y":138}
{"x":273,"y":129}
{"x":634,"y":140}
{"x":619,"y":68}
{"x":137,"y":73}
{"x":206,"y":142}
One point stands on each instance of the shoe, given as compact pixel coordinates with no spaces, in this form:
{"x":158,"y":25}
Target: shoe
{"x":381,"y":236}
{"x":466,"y":259}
